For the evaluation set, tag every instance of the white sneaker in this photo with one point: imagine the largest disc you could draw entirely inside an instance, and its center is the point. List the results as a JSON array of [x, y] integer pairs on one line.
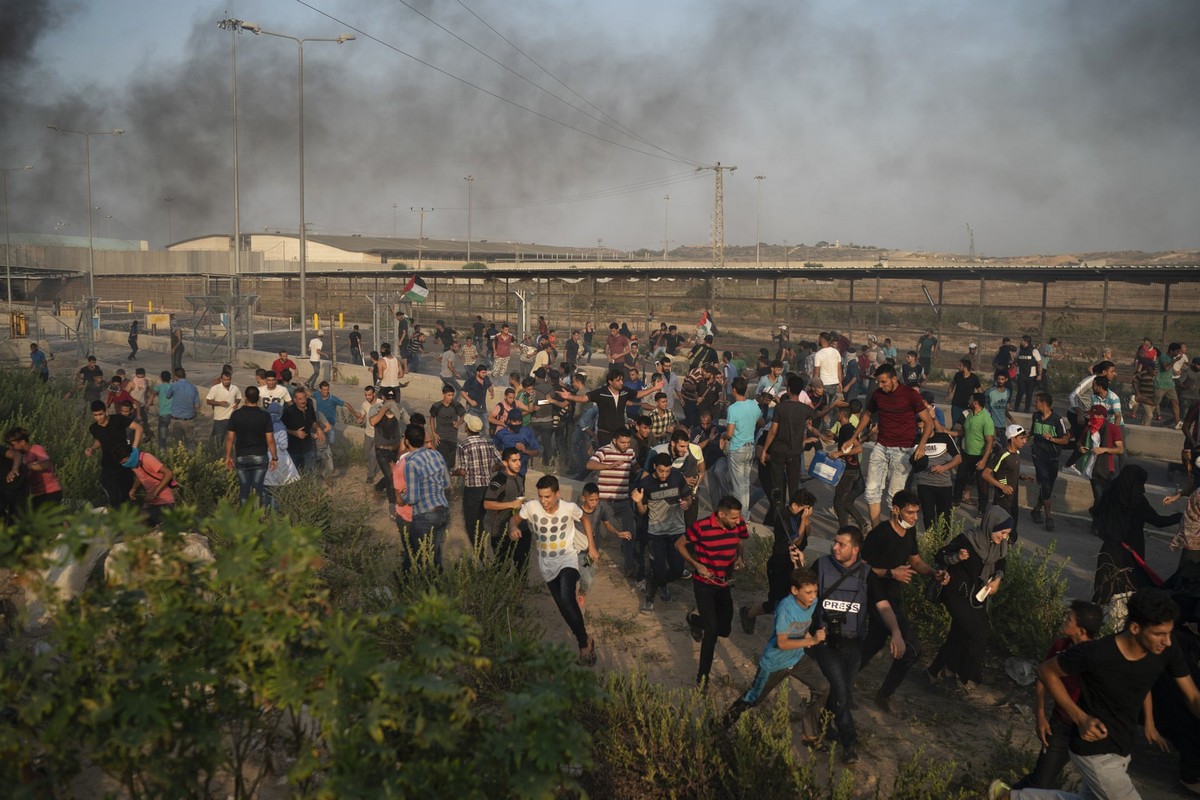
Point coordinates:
[[1179, 425], [1073, 470], [998, 789]]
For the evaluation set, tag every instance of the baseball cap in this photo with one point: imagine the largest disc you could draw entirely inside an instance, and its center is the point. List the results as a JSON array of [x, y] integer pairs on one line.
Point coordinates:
[[972, 346], [1013, 431]]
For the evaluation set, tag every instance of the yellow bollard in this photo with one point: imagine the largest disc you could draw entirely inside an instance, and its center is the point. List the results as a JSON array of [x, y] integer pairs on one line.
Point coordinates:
[[150, 307], [316, 322], [130, 306], [341, 321]]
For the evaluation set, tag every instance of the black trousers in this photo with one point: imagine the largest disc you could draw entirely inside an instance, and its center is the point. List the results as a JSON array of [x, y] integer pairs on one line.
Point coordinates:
[[935, 502], [877, 637], [1025, 389], [715, 607]]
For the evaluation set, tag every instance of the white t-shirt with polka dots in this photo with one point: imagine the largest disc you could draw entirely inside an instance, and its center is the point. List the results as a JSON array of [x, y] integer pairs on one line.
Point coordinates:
[[553, 536]]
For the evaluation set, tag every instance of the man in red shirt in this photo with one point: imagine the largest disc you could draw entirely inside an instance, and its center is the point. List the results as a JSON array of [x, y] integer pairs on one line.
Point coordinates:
[[117, 395], [616, 348], [896, 409], [282, 363], [717, 542]]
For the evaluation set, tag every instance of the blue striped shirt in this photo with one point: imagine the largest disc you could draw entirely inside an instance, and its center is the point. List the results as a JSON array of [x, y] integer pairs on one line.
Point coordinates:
[[425, 474]]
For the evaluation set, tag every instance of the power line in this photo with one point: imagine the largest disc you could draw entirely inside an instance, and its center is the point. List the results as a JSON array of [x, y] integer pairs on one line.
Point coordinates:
[[488, 92], [615, 123], [616, 127]]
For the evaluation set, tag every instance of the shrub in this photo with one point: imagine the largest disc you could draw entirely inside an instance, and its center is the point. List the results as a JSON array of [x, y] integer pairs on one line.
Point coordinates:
[[204, 482], [184, 679]]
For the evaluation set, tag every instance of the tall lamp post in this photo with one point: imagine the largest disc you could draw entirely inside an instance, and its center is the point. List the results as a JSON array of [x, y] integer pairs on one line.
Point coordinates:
[[8, 259], [758, 224], [345, 37], [90, 302], [470, 179]]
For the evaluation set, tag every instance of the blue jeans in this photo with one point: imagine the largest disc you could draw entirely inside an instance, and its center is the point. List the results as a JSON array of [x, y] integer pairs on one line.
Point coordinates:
[[431, 523], [579, 455], [251, 472], [545, 436], [839, 664], [739, 475], [305, 461], [888, 469]]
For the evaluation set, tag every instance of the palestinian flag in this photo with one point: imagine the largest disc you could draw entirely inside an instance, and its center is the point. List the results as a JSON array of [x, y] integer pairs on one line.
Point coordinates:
[[708, 323], [415, 290]]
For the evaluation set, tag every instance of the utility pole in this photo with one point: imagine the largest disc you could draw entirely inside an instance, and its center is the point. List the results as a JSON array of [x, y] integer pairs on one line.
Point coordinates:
[[971, 240], [758, 224], [421, 233], [786, 254], [718, 231], [168, 201], [394, 209], [470, 179], [666, 220]]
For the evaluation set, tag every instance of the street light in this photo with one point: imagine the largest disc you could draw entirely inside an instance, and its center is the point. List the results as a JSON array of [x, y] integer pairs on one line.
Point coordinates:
[[90, 302], [470, 179], [7, 236], [345, 37], [758, 224], [666, 219]]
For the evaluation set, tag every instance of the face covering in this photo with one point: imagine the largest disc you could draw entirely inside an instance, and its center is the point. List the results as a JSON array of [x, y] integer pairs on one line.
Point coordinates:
[[905, 524], [1095, 423]]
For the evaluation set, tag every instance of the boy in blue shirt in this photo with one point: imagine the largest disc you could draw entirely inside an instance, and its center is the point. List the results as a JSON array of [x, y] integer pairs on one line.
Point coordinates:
[[784, 656]]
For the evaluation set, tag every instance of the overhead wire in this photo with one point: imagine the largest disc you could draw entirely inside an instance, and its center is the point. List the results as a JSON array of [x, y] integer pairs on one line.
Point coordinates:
[[610, 123], [623, 128], [488, 92]]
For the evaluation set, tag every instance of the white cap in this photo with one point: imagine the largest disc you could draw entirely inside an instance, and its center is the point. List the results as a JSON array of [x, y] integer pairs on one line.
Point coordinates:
[[972, 346], [1013, 431]]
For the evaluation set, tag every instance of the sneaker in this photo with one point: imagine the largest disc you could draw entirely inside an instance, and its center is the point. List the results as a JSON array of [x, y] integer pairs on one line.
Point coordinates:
[[693, 623], [687, 574], [1193, 787], [1036, 515], [1049, 523], [664, 594], [1072, 470], [640, 586], [884, 704], [1179, 425], [849, 755], [647, 607], [747, 621], [997, 789]]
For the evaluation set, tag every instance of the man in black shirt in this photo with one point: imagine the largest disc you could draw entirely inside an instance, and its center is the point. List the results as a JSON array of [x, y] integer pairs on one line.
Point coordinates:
[[964, 384], [356, 346], [300, 419], [249, 438], [1116, 672], [108, 436], [504, 495], [891, 550], [784, 448], [611, 401]]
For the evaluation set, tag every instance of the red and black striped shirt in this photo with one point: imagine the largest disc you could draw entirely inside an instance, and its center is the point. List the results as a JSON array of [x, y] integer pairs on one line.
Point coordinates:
[[716, 547]]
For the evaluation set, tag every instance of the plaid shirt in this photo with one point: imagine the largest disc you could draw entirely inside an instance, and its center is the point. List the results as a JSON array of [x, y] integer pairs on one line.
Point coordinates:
[[425, 474], [661, 425], [477, 458]]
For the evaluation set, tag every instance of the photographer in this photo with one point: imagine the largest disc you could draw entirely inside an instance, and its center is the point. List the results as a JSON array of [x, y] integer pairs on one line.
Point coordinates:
[[844, 584]]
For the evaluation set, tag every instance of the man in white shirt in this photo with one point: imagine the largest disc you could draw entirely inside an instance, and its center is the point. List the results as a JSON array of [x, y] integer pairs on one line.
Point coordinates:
[[223, 398], [370, 406], [828, 365], [391, 370], [273, 392], [315, 351]]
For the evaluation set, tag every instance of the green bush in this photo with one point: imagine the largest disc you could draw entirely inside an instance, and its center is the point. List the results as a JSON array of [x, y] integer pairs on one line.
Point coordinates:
[[204, 482], [189, 679]]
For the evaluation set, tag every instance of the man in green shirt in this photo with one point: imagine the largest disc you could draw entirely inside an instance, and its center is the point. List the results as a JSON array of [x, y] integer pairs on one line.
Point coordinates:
[[1164, 387], [978, 436]]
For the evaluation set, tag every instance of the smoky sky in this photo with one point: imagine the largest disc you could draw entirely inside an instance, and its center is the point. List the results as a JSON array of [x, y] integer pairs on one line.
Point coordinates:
[[1049, 127]]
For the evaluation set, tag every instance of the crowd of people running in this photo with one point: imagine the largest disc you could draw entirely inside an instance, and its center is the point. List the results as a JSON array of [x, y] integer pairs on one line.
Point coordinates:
[[679, 444]]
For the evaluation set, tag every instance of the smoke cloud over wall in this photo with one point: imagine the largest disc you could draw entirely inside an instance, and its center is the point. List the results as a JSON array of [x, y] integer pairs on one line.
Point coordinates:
[[1049, 127]]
